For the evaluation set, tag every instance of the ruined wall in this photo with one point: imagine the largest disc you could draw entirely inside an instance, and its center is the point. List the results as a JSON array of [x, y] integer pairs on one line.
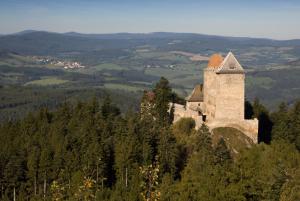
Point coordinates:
[[181, 112], [230, 96]]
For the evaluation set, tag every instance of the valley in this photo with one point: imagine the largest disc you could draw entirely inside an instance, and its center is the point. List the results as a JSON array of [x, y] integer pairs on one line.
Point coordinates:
[[130, 63]]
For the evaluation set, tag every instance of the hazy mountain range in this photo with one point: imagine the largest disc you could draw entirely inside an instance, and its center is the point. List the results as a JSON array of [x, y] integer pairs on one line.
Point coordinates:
[[41, 42]]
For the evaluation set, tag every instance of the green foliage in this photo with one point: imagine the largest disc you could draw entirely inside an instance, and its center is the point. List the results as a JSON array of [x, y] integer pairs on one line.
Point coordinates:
[[149, 183], [92, 151], [163, 97], [265, 124], [57, 191], [222, 153], [184, 126], [287, 124], [235, 140]]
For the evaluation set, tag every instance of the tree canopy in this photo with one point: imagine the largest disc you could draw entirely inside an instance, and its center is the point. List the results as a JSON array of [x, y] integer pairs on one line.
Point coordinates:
[[91, 151]]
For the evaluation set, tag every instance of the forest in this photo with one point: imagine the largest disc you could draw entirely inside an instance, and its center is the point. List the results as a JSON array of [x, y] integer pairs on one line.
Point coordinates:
[[92, 150]]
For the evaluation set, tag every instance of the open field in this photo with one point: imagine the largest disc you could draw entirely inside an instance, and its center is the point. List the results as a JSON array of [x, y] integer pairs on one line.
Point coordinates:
[[45, 81], [108, 66], [123, 87]]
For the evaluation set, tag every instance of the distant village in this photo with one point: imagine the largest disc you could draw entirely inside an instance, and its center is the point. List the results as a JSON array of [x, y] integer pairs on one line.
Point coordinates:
[[58, 63], [159, 66]]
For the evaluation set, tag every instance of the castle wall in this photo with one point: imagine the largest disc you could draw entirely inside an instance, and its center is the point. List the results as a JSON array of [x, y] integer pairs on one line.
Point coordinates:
[[196, 106], [230, 96], [209, 93], [247, 126], [181, 112]]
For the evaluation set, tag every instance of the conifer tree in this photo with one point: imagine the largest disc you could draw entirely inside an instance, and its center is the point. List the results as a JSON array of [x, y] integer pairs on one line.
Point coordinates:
[[167, 152], [163, 96], [281, 122], [265, 123], [222, 153], [33, 167], [294, 135], [108, 109]]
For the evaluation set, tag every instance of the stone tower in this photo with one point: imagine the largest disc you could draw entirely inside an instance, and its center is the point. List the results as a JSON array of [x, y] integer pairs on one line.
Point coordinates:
[[224, 88], [220, 101]]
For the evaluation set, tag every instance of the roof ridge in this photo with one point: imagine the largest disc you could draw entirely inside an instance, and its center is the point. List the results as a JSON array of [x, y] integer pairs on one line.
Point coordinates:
[[197, 94], [230, 65]]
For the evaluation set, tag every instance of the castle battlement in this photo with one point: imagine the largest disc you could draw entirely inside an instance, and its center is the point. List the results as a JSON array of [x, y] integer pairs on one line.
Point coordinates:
[[220, 100]]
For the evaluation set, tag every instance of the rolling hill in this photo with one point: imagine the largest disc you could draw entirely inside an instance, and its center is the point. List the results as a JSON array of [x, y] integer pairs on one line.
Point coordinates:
[[134, 62], [40, 42]]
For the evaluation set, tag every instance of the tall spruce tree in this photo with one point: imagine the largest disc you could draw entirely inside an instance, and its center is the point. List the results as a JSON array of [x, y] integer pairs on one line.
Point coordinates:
[[222, 153], [163, 96], [281, 122], [265, 123]]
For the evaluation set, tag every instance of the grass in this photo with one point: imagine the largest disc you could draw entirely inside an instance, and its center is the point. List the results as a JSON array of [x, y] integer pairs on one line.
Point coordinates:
[[235, 139], [17, 60], [165, 72], [46, 81], [4, 63], [141, 82], [162, 56], [188, 81], [149, 55], [124, 87], [110, 78], [108, 66], [24, 59], [264, 82]]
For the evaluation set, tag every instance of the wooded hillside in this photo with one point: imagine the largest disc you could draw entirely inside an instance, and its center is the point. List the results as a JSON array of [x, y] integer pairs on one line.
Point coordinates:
[[92, 151]]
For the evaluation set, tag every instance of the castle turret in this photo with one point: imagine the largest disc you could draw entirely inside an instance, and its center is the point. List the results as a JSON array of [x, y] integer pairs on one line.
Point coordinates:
[[230, 96], [210, 85]]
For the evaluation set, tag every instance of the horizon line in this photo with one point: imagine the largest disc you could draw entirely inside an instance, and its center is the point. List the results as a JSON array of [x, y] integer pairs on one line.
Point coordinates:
[[152, 32]]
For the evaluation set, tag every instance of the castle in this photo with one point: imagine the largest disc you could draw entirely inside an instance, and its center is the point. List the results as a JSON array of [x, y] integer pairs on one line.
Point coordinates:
[[220, 100]]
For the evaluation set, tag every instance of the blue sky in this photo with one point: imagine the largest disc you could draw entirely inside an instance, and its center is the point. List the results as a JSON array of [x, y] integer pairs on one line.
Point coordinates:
[[279, 19]]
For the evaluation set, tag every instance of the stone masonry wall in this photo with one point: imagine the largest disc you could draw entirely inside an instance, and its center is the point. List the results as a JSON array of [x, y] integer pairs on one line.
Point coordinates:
[[248, 127], [209, 93], [181, 112], [230, 96]]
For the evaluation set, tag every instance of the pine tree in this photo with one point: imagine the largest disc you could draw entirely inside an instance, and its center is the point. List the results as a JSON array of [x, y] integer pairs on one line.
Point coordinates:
[[222, 153], [33, 167], [14, 173], [126, 152], [248, 110], [167, 152], [281, 120], [150, 176], [294, 135], [203, 140], [163, 96], [45, 167], [265, 123], [108, 109]]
